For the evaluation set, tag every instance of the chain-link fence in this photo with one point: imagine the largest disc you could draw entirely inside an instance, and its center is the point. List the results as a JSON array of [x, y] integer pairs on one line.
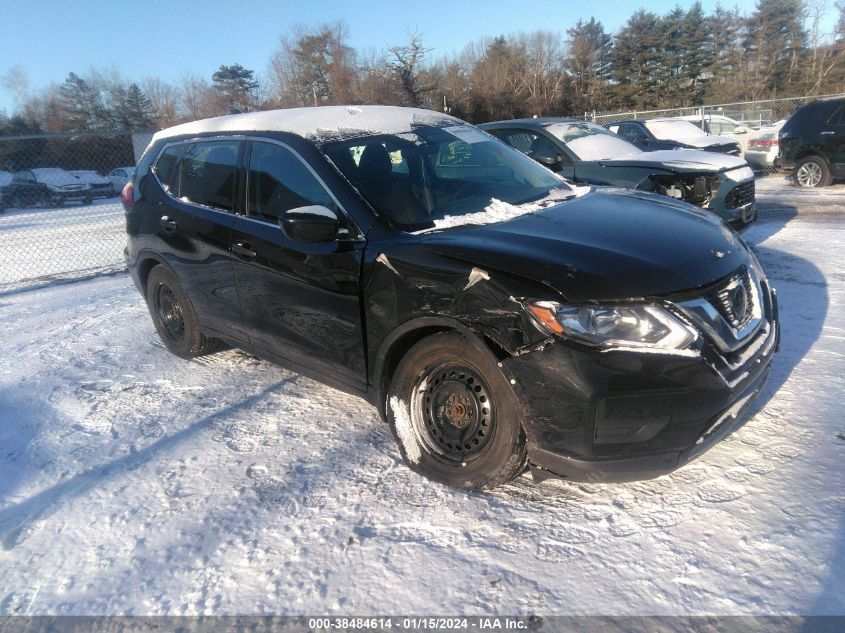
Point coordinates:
[[753, 125], [60, 211]]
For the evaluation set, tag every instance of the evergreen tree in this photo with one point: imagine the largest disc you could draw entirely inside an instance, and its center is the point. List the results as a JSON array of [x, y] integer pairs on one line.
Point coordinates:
[[139, 108], [588, 62], [775, 40], [638, 62], [81, 105], [236, 85]]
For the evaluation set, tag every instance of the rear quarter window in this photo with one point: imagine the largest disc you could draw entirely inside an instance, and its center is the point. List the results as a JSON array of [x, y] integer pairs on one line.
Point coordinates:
[[166, 168]]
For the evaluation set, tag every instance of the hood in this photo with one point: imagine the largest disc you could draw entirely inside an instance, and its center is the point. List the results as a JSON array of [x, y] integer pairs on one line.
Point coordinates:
[[93, 179], [707, 141], [57, 178], [606, 245], [679, 160]]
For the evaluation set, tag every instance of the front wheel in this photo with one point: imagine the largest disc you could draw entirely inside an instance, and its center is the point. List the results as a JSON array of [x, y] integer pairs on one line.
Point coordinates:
[[174, 316], [454, 414], [812, 171]]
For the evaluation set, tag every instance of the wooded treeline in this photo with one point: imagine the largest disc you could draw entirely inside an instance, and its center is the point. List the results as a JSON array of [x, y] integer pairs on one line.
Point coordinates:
[[685, 57]]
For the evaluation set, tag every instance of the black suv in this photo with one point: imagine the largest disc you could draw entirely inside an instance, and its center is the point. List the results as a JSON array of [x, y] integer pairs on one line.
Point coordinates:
[[495, 314], [812, 143]]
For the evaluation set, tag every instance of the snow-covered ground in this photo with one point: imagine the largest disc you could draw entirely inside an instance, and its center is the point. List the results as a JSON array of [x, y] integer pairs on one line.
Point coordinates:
[[134, 482], [49, 243]]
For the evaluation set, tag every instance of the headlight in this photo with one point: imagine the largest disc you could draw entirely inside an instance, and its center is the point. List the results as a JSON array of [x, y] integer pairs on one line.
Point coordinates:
[[54, 188], [647, 326], [740, 174]]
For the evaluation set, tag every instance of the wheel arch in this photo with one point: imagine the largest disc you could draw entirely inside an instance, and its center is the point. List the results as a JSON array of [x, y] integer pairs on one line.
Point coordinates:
[[396, 344], [146, 262], [807, 152]]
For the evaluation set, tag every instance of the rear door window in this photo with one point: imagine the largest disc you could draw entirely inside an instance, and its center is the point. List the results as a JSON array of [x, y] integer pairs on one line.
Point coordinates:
[[207, 174]]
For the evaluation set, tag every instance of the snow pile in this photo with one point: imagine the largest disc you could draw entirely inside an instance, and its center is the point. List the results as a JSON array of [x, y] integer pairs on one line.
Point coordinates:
[[320, 122], [500, 211]]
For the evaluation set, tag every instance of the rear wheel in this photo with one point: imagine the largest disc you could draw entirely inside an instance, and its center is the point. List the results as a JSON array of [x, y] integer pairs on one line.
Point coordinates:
[[812, 171], [174, 316], [454, 415]]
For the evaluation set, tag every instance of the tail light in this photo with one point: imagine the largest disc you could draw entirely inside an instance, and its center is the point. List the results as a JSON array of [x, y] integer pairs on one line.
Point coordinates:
[[764, 143], [127, 196]]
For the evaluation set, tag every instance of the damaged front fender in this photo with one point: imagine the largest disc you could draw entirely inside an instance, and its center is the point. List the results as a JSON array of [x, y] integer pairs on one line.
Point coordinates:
[[411, 292]]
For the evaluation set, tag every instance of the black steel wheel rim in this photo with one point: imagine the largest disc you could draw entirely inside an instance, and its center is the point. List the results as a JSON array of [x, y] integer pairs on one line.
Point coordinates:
[[454, 415], [169, 313]]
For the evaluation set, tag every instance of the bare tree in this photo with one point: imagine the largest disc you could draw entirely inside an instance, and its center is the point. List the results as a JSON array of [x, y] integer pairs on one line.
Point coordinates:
[[16, 81], [314, 66], [165, 100], [406, 61], [199, 99]]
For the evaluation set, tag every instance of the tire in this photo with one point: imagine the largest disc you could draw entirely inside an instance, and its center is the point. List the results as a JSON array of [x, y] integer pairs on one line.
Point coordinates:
[[174, 316], [87, 199], [812, 171], [454, 414]]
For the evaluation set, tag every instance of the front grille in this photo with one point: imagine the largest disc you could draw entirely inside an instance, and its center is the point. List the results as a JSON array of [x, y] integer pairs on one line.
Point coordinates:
[[740, 195], [733, 299]]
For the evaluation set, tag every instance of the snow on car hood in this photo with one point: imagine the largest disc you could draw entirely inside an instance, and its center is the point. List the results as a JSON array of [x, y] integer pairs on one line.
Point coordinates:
[[685, 159], [707, 141], [90, 177], [499, 211], [55, 177]]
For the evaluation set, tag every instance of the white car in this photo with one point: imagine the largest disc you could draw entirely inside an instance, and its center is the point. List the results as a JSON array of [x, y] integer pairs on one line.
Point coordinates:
[[763, 147], [101, 187], [119, 176], [720, 125]]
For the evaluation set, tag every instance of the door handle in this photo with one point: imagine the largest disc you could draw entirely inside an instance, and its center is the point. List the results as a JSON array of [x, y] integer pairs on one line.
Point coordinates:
[[244, 250], [167, 223], [827, 132]]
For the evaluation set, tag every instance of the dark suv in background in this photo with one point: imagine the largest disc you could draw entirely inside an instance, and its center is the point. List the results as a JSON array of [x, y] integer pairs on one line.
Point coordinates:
[[812, 143], [495, 314]]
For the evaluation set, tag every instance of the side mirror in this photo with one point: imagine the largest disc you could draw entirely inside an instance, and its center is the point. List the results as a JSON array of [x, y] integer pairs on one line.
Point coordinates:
[[314, 223], [645, 140], [740, 129], [547, 157]]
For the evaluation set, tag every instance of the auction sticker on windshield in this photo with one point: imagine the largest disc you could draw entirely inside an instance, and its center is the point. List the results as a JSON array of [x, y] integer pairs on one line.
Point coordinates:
[[467, 134]]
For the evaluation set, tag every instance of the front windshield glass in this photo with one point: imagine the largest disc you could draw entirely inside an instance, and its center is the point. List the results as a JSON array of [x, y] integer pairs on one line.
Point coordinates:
[[421, 178], [589, 141], [674, 130]]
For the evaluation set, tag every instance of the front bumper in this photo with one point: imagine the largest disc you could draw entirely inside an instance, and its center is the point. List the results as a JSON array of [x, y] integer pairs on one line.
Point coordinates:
[[617, 415], [74, 195], [735, 203]]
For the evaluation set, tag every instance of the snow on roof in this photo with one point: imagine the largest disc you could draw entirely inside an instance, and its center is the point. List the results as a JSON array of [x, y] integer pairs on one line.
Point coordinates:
[[319, 123]]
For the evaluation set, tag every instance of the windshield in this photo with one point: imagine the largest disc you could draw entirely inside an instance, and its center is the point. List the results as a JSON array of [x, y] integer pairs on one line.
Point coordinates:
[[589, 141], [674, 130], [421, 178]]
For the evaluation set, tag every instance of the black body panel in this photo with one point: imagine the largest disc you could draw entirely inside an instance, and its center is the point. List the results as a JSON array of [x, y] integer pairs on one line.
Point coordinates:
[[345, 310]]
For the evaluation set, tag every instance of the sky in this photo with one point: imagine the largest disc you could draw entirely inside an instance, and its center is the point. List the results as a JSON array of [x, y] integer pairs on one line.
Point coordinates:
[[171, 38]]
